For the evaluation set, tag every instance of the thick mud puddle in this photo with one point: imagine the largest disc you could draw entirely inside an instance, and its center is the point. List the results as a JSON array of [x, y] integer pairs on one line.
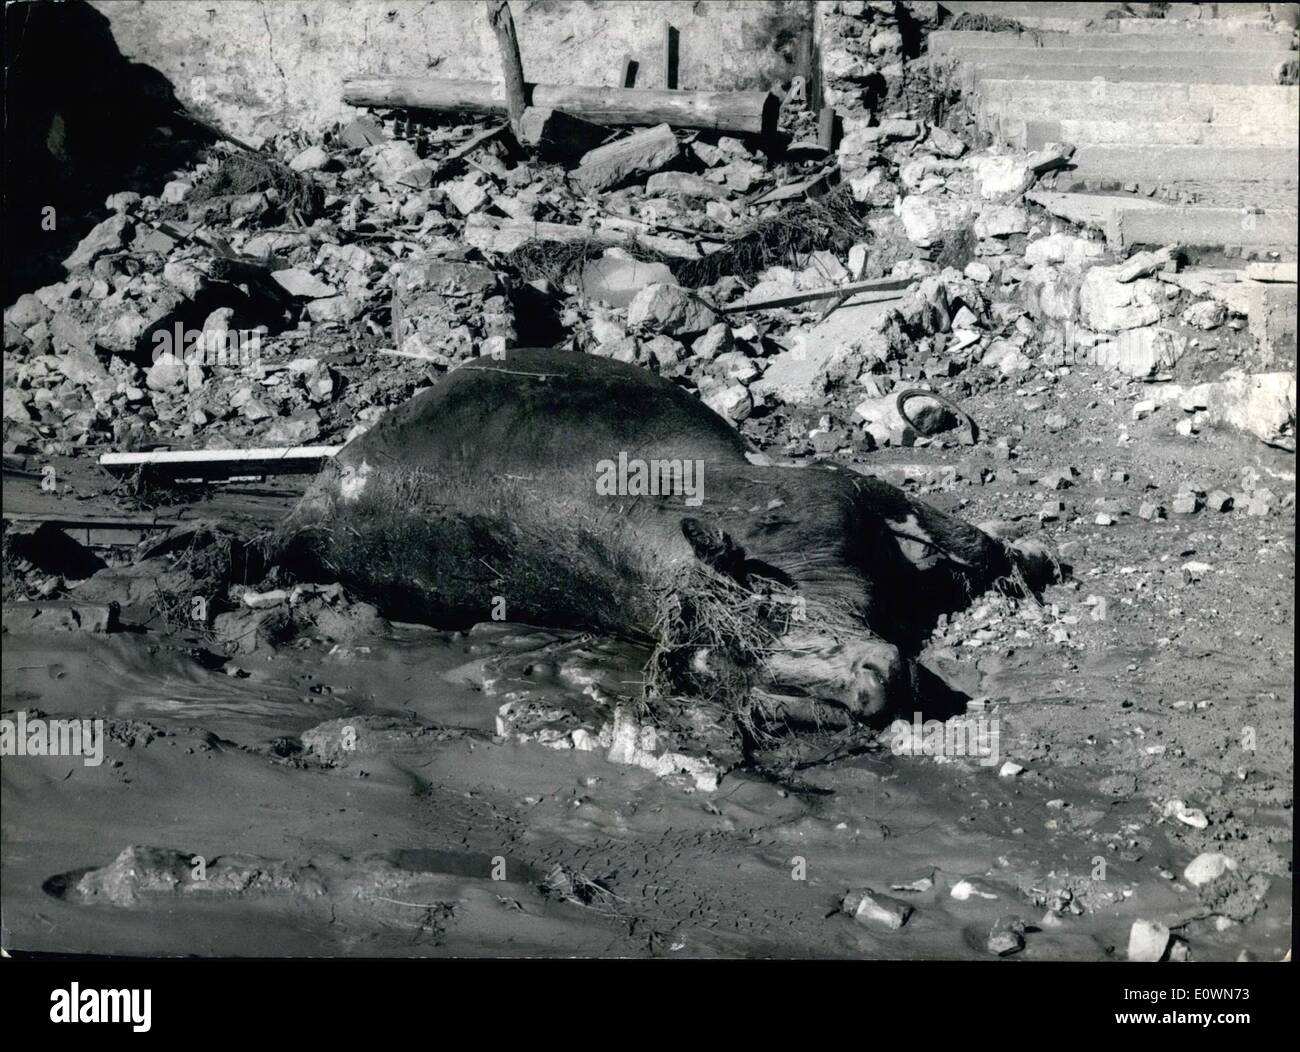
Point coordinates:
[[356, 800]]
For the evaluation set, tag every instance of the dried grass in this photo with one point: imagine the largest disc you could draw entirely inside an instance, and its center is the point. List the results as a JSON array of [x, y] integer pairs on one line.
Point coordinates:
[[831, 221], [247, 173], [828, 222]]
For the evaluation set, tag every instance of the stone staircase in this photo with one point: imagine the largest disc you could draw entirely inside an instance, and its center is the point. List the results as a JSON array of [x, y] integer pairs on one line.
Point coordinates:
[[1185, 110], [1184, 131]]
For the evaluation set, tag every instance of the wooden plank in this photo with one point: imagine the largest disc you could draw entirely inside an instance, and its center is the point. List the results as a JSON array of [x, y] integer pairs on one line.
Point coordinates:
[[811, 187], [223, 463], [853, 288]]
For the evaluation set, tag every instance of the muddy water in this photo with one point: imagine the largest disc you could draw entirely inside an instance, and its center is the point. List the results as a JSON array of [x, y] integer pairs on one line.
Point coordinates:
[[446, 840]]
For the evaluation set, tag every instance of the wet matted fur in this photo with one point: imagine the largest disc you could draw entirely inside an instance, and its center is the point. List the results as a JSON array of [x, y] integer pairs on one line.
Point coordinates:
[[481, 494]]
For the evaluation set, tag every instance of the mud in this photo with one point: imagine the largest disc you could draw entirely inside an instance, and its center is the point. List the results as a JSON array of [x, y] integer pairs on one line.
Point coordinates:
[[1118, 724]]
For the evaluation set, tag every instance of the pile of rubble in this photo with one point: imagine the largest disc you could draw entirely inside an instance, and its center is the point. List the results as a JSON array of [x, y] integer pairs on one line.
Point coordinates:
[[299, 310]]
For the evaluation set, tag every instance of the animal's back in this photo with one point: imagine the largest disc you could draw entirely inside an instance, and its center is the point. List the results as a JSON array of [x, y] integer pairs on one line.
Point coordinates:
[[543, 409]]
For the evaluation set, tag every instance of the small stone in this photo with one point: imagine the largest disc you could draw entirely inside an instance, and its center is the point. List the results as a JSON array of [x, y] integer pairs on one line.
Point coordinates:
[[1143, 409], [717, 340], [1006, 939], [1151, 512], [1147, 941], [302, 283], [311, 159], [467, 194], [1187, 504], [174, 192], [1219, 501], [946, 143], [868, 907], [109, 236], [1062, 478], [671, 309], [168, 374], [734, 403], [1010, 770], [1207, 867]]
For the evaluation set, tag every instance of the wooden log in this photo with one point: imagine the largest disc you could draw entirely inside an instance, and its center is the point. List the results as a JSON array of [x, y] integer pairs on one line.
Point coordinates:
[[627, 160], [559, 136], [738, 112], [511, 65]]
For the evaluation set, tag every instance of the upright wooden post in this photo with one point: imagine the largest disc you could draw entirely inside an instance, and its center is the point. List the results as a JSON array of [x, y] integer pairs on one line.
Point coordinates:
[[628, 79], [511, 65], [671, 38], [826, 127]]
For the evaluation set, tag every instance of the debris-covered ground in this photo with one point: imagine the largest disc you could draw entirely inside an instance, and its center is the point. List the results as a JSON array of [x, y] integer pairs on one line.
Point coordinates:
[[353, 784]]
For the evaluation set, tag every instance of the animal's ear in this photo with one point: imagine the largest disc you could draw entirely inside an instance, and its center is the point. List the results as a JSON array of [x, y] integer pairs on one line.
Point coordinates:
[[713, 547]]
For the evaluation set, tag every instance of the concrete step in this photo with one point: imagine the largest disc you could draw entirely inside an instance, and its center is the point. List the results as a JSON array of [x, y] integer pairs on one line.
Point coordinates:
[[1034, 134], [1255, 42], [1126, 220], [1208, 228], [1244, 106], [1067, 16], [1154, 165], [1192, 67]]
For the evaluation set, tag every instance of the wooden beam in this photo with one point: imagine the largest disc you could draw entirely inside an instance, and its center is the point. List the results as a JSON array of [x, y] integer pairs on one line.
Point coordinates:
[[853, 288], [738, 112], [512, 66]]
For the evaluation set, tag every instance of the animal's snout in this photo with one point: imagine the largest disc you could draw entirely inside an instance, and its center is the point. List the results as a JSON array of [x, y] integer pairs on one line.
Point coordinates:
[[878, 678], [862, 674]]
